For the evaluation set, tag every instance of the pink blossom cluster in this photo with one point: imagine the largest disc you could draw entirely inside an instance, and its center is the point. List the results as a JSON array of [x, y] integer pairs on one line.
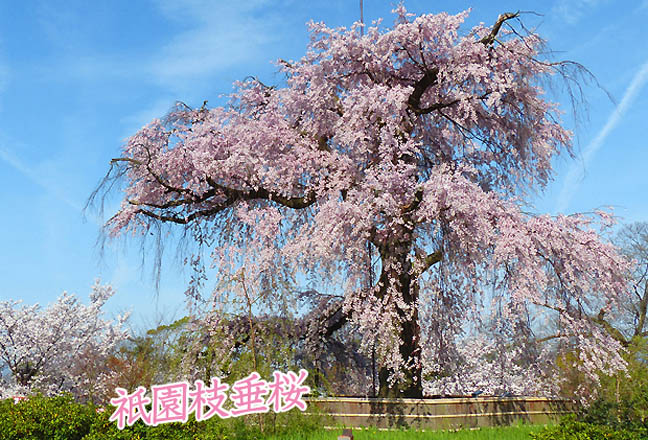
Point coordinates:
[[174, 402]]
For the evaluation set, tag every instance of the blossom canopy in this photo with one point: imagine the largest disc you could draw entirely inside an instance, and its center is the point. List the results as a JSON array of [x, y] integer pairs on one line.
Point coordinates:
[[411, 148]]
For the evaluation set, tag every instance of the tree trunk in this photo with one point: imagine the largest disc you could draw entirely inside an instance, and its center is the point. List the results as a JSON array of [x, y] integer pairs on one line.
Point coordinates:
[[411, 385], [410, 332]]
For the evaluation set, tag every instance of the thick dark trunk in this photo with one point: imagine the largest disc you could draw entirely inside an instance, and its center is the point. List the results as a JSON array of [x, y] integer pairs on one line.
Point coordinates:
[[410, 385], [410, 333]]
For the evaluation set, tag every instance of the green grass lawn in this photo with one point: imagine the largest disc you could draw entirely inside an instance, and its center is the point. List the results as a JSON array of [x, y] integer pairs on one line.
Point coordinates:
[[499, 433]]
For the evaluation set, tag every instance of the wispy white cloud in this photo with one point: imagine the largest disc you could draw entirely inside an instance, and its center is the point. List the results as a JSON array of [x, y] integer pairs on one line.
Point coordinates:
[[49, 185], [212, 38], [206, 41], [577, 171], [573, 10], [11, 159], [215, 39]]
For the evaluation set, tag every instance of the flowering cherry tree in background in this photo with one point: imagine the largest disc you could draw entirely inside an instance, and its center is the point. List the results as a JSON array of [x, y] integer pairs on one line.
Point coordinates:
[[409, 150], [63, 347]]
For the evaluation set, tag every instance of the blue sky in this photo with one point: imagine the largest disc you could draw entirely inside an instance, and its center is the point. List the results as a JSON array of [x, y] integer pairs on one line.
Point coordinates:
[[78, 77]]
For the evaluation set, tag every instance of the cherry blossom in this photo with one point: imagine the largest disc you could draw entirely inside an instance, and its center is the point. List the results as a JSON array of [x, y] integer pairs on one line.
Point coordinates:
[[406, 152], [63, 347]]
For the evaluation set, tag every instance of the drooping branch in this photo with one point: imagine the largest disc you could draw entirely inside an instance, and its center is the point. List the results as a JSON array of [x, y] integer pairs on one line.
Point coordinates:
[[232, 196]]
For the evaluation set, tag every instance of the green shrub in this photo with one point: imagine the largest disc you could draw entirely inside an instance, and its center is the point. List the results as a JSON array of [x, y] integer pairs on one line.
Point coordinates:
[[572, 429], [40, 418], [61, 418]]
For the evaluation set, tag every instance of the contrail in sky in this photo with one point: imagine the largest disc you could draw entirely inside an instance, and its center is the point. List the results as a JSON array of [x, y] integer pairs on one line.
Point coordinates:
[[576, 173]]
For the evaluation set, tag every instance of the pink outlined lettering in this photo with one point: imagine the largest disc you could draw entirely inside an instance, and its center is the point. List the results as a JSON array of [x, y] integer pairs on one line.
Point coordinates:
[[169, 403], [214, 397], [287, 388], [248, 395], [174, 402], [130, 407]]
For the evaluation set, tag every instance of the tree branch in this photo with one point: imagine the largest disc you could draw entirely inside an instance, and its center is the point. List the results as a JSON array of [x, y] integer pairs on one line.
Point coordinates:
[[490, 38], [431, 75], [548, 338], [434, 107], [429, 261], [612, 331], [299, 202], [429, 78], [232, 195], [643, 308]]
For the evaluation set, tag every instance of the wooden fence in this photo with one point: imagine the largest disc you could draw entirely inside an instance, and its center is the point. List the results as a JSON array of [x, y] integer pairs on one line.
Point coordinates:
[[453, 413]]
